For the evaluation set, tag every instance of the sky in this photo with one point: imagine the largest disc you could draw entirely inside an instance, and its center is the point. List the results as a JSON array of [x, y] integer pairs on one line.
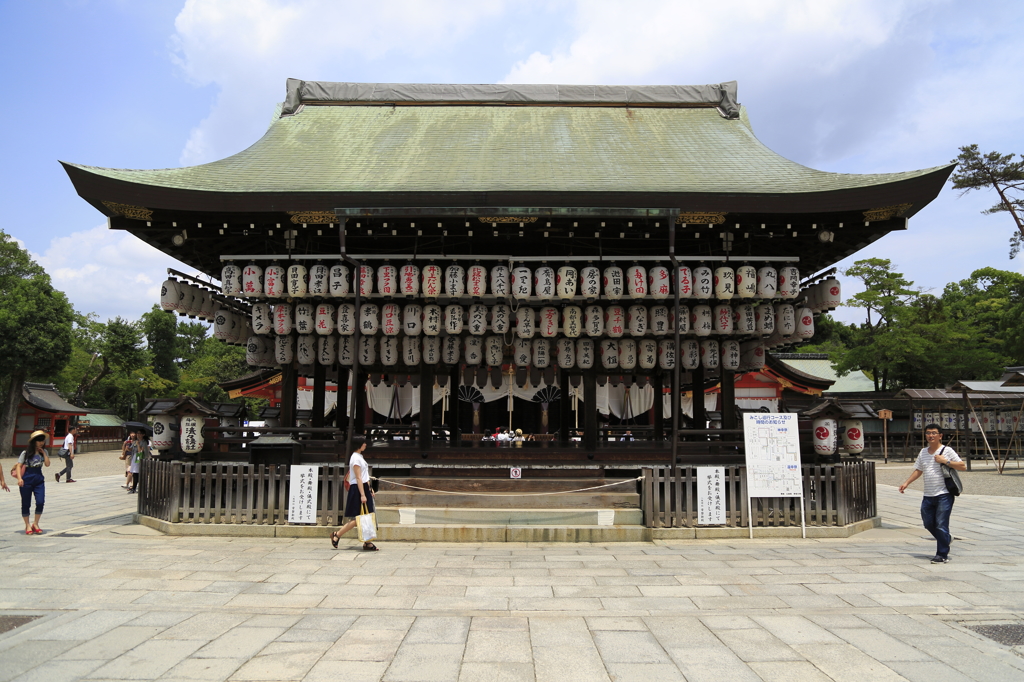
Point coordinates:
[[855, 87]]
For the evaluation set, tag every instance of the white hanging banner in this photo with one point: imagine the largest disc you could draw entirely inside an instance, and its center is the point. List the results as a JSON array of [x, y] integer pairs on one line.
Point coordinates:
[[302, 494], [710, 496], [772, 447]]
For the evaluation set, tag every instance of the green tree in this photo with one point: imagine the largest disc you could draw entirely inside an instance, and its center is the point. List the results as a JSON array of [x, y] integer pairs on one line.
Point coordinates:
[[992, 302], [35, 330], [161, 331], [999, 172]]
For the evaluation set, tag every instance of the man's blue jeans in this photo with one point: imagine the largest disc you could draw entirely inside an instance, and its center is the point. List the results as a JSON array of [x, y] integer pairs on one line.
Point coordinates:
[[935, 515]]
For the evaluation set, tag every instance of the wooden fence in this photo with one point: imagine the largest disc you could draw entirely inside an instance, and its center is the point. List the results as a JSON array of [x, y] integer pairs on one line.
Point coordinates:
[[226, 492], [834, 495]]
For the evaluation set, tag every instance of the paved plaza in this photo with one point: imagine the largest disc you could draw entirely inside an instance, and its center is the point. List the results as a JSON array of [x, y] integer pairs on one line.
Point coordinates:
[[116, 601]]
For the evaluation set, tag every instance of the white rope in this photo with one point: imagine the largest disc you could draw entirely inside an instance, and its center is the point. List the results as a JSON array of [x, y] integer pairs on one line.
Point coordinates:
[[560, 492]]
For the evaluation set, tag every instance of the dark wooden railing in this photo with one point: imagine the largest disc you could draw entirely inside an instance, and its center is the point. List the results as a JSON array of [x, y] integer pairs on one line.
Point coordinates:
[[834, 495]]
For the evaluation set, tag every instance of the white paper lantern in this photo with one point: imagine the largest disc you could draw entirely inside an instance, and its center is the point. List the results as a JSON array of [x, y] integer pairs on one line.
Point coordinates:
[[340, 283], [319, 280], [478, 319], [667, 354], [522, 352], [723, 322], [593, 320], [235, 329], [189, 296], [804, 323], [746, 281], [390, 319], [283, 318], [431, 281], [684, 282], [474, 350], [853, 436], [812, 296], [252, 281], [284, 349], [455, 280], [410, 350], [609, 349], [566, 282], [389, 351], [387, 280], [369, 319], [767, 282], [585, 352], [659, 283], [170, 295], [785, 319], [432, 319], [476, 280], [210, 305], [431, 350], [453, 321], [789, 282], [615, 321], [305, 349], [637, 320], [412, 322], [501, 318], [590, 282], [764, 316], [327, 350], [346, 319], [710, 353], [262, 322], [702, 320], [222, 324], [494, 351], [544, 282], [541, 353], [831, 294], [500, 281], [324, 320], [231, 280], [520, 282], [262, 355], [297, 281], [450, 350], [203, 305], [613, 282], [565, 352], [725, 283], [752, 355], [647, 353], [824, 436], [367, 351], [659, 320], [548, 323], [163, 435], [684, 319], [627, 354], [730, 354], [274, 281], [703, 282], [409, 280], [636, 281], [572, 321], [365, 280], [524, 323], [192, 440], [691, 354], [744, 320]]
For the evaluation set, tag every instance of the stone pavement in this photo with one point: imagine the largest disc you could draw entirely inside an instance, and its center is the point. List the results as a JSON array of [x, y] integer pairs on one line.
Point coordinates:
[[122, 602]]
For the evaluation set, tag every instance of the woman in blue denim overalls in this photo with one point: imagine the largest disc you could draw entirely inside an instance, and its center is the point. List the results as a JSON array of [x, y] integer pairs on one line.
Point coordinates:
[[29, 473]]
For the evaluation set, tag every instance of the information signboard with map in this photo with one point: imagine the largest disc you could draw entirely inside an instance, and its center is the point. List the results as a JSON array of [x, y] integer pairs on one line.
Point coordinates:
[[773, 455]]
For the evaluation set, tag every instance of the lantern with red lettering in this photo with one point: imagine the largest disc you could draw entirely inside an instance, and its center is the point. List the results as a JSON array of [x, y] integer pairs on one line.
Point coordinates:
[[252, 281], [476, 280], [409, 280], [390, 319], [658, 282], [387, 280], [548, 322], [615, 321], [283, 319], [274, 280], [684, 282], [431, 279], [365, 280], [636, 281], [723, 319]]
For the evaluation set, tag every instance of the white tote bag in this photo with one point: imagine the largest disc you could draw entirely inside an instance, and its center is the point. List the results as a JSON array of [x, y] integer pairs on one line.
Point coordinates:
[[367, 524]]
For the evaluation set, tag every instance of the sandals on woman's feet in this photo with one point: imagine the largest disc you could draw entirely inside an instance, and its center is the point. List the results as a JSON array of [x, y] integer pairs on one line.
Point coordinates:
[[334, 540], [370, 547]]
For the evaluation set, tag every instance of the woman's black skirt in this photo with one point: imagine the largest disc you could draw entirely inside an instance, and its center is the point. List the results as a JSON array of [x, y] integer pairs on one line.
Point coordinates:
[[353, 505]]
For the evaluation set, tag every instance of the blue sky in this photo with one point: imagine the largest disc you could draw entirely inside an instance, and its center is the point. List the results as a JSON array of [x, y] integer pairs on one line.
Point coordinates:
[[855, 87]]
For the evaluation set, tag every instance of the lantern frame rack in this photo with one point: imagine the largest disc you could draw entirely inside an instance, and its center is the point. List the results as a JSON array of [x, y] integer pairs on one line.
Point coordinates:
[[506, 258], [217, 293]]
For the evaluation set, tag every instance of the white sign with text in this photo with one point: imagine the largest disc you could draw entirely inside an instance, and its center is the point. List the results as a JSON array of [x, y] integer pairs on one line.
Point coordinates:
[[710, 496], [302, 494]]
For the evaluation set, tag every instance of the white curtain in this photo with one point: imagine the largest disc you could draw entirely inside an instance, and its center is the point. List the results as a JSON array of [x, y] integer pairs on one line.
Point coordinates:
[[396, 401], [686, 404], [305, 400]]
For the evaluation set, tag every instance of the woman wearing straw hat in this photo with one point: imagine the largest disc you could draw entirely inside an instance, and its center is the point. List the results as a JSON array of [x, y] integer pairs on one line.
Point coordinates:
[[29, 472]]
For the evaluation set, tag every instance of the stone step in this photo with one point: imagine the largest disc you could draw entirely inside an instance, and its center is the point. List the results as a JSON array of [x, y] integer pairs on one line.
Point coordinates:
[[459, 516], [508, 485], [591, 500], [511, 533]]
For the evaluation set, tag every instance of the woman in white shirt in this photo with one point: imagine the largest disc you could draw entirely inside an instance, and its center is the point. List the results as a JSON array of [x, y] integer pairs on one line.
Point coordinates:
[[360, 493]]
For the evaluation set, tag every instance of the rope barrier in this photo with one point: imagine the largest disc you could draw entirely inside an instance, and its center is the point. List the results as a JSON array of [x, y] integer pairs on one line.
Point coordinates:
[[455, 492]]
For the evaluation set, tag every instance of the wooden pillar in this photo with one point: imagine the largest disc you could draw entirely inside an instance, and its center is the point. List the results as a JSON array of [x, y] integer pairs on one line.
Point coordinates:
[[341, 419], [426, 407], [319, 395], [728, 399], [659, 411], [358, 418], [453, 407], [564, 403], [699, 417], [590, 410], [289, 395], [966, 454]]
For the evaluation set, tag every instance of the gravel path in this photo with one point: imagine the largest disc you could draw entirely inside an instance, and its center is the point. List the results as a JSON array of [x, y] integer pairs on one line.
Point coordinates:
[[87, 465], [982, 479]]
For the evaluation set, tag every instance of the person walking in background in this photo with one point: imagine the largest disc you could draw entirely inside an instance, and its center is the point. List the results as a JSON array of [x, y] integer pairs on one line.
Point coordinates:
[[937, 503], [139, 452], [360, 494], [29, 472], [67, 453], [128, 454]]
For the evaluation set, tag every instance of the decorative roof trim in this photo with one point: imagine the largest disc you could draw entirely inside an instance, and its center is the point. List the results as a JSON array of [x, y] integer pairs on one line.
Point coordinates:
[[313, 217], [129, 211], [700, 219], [886, 212]]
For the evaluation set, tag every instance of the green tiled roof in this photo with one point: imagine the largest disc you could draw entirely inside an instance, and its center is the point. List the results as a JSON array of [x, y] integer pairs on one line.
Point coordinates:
[[472, 148], [103, 419], [853, 382]]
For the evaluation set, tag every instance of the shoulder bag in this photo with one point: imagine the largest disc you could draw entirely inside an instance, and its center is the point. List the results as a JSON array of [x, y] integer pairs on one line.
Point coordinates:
[[951, 477]]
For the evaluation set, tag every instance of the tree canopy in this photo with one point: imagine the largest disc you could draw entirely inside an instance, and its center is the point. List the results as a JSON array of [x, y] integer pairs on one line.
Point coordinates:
[[998, 172]]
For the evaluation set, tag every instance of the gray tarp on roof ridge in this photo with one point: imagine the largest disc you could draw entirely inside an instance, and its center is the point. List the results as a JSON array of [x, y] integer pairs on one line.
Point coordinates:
[[722, 95]]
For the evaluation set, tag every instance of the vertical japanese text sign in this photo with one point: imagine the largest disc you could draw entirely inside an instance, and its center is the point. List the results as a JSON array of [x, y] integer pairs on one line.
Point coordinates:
[[302, 494], [710, 500]]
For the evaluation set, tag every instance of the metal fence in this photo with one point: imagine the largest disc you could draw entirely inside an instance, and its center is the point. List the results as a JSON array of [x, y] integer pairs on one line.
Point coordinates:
[[834, 495]]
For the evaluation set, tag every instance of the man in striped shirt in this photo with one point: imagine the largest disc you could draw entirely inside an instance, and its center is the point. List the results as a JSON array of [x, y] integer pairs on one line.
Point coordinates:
[[937, 503]]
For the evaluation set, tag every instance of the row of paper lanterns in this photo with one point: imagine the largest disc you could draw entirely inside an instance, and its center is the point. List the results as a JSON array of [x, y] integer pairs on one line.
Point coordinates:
[[519, 282], [614, 321], [826, 433], [609, 354], [1003, 421]]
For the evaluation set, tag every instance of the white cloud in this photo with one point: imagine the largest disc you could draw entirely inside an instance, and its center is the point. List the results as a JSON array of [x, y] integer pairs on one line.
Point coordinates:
[[107, 272]]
